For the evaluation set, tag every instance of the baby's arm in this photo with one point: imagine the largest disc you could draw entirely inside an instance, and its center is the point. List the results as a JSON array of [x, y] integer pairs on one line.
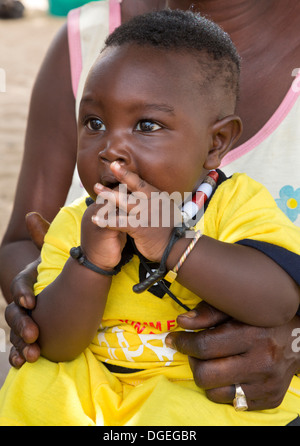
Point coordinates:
[[238, 280], [70, 309]]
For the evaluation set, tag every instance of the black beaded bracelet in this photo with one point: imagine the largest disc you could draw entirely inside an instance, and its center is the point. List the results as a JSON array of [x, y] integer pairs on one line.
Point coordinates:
[[158, 274], [77, 254]]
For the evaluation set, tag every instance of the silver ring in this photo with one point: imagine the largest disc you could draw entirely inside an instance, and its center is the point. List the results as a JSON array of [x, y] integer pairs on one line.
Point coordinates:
[[240, 401]]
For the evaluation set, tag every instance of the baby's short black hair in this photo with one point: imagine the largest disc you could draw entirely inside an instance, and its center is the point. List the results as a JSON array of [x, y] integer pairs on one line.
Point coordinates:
[[185, 31]]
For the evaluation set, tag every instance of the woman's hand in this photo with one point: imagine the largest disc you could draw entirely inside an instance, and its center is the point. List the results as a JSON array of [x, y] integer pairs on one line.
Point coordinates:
[[24, 331], [23, 336], [261, 360]]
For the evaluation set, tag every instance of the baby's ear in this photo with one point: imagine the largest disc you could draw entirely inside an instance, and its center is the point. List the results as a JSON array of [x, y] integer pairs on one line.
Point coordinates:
[[225, 133]]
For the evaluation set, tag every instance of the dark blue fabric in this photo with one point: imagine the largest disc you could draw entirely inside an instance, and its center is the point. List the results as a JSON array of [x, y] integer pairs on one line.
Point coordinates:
[[295, 422], [288, 260]]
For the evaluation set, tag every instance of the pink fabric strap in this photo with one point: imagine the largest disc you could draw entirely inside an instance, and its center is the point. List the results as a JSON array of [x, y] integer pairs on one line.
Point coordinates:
[[74, 47], [74, 38], [278, 117], [114, 14]]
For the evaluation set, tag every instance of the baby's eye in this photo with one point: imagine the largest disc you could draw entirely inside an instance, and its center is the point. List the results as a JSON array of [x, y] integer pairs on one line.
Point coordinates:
[[147, 126], [95, 124]]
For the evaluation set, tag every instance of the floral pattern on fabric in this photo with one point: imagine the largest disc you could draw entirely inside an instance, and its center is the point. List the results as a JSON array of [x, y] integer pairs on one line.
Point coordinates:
[[289, 202]]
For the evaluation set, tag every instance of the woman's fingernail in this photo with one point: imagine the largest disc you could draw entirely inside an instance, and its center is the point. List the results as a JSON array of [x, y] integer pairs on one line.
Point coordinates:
[[169, 342], [22, 301], [26, 352], [190, 314]]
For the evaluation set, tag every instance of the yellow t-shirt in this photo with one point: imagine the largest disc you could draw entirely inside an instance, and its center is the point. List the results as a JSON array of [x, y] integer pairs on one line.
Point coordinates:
[[134, 326], [83, 392]]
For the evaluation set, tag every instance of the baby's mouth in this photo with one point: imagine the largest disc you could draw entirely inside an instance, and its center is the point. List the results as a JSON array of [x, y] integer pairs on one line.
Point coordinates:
[[109, 181], [117, 186], [111, 185]]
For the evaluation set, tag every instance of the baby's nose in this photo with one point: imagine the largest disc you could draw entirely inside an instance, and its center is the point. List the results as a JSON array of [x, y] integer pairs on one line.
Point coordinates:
[[116, 149]]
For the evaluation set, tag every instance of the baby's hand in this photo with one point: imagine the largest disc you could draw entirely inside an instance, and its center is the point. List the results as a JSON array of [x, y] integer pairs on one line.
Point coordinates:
[[102, 246], [138, 209]]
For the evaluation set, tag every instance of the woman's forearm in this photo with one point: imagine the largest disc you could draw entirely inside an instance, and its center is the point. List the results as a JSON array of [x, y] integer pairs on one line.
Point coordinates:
[[53, 143], [69, 311], [238, 280]]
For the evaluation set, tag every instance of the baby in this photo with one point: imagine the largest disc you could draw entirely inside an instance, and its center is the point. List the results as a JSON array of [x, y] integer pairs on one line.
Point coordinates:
[[156, 118]]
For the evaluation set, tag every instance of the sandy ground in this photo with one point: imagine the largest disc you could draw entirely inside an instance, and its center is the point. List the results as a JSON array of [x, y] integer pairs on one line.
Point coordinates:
[[23, 44]]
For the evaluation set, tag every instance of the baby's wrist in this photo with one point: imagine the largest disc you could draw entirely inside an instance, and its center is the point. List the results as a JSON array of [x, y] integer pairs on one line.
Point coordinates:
[[79, 255]]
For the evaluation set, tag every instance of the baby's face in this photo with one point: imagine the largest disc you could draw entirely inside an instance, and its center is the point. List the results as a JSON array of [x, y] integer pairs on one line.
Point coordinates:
[[141, 107]]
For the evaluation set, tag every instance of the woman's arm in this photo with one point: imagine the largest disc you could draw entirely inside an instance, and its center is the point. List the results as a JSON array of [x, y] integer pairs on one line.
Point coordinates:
[[49, 159], [224, 352]]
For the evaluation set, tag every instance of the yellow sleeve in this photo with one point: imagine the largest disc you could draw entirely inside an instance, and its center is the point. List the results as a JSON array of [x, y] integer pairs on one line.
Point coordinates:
[[63, 234], [242, 208]]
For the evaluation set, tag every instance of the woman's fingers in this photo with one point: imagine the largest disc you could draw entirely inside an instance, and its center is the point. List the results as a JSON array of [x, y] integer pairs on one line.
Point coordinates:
[[23, 336], [37, 228]]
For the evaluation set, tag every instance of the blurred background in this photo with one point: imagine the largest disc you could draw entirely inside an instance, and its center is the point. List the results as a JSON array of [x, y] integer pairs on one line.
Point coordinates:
[[23, 44]]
